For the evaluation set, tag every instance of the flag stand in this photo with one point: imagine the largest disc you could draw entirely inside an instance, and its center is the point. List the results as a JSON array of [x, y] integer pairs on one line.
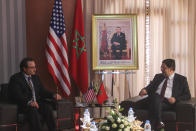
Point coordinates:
[[112, 84], [114, 72]]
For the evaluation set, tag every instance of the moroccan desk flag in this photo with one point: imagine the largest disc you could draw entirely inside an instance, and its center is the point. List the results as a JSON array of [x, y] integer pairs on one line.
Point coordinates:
[[90, 94], [78, 60], [101, 96], [56, 50]]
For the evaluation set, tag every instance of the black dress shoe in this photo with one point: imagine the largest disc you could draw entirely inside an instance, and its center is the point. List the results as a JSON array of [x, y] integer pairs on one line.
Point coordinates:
[[160, 125]]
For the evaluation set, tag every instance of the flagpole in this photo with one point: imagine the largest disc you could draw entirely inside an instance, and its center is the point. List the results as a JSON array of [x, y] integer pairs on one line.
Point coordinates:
[[56, 105], [112, 83]]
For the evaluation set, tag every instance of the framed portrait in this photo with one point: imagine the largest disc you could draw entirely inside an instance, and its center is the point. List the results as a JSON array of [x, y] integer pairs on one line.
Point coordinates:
[[114, 40]]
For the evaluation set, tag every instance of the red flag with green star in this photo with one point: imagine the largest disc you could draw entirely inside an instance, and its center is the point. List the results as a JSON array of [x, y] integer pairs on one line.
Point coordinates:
[[78, 59], [101, 96]]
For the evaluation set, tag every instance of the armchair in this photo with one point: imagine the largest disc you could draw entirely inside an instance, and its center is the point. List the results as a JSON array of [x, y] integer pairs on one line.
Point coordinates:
[[10, 120], [180, 119]]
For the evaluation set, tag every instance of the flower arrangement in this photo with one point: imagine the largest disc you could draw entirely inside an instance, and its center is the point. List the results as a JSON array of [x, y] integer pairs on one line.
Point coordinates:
[[115, 121]]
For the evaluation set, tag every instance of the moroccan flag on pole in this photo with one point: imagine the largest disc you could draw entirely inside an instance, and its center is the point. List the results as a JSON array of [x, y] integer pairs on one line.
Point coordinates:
[[78, 60], [101, 96]]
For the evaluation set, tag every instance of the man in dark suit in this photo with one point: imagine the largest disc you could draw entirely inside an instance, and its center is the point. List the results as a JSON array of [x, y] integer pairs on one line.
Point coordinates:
[[27, 91], [118, 42], [165, 90]]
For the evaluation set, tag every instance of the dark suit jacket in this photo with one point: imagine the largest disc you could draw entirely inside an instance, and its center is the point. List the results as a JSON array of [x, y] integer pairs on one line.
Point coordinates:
[[120, 39], [180, 89], [20, 92]]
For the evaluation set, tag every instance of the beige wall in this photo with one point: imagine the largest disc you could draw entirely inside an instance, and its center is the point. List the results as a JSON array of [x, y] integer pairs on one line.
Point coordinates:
[[38, 14]]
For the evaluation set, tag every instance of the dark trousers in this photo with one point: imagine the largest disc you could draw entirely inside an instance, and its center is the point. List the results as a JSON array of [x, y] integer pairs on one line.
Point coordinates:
[[117, 55], [156, 106], [34, 119]]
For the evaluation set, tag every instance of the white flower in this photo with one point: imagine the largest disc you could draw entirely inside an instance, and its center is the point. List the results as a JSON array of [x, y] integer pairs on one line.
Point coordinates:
[[103, 127], [122, 126], [123, 120], [114, 125], [109, 117], [123, 117], [112, 120], [127, 129], [107, 128], [118, 120], [125, 123], [119, 129], [112, 112]]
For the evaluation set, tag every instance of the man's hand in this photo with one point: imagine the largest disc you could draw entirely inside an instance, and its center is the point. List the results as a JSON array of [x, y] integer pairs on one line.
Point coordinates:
[[171, 100], [57, 97], [143, 92], [34, 104]]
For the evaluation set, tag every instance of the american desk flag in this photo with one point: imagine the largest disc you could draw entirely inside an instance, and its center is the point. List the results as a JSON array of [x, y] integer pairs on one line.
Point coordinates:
[[56, 50], [90, 94]]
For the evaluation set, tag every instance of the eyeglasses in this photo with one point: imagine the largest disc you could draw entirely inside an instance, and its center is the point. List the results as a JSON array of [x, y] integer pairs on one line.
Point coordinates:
[[32, 67]]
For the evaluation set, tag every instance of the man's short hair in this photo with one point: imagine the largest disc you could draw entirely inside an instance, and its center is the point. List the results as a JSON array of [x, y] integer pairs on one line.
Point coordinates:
[[170, 63], [24, 62]]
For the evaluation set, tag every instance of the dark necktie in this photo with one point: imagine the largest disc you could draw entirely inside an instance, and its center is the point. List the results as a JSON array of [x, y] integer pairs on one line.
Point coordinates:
[[164, 88], [32, 88]]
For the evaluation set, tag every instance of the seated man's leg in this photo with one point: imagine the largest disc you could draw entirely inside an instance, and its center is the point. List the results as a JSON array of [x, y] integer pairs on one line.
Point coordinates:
[[151, 110], [33, 118], [120, 54], [46, 111], [156, 107], [114, 53], [163, 105]]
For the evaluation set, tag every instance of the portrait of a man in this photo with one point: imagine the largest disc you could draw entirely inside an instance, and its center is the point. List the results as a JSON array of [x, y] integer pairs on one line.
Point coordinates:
[[118, 42], [114, 42]]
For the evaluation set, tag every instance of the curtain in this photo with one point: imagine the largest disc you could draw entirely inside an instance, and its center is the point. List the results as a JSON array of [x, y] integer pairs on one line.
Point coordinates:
[[172, 34], [125, 85], [12, 37]]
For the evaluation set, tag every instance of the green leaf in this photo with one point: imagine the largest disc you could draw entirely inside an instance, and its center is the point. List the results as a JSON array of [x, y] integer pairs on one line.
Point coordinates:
[[121, 109]]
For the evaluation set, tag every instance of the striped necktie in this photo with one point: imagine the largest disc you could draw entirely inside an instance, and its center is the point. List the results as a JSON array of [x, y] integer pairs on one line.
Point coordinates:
[[164, 88], [32, 88]]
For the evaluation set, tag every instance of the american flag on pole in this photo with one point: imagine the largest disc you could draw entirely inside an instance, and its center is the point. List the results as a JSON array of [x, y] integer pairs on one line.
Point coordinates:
[[56, 50], [90, 94]]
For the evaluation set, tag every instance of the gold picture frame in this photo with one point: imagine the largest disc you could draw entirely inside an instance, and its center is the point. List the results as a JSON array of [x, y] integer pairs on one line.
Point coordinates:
[[114, 39]]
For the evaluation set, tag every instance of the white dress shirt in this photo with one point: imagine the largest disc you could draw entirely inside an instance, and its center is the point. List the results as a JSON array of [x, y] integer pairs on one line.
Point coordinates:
[[33, 90], [168, 91]]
